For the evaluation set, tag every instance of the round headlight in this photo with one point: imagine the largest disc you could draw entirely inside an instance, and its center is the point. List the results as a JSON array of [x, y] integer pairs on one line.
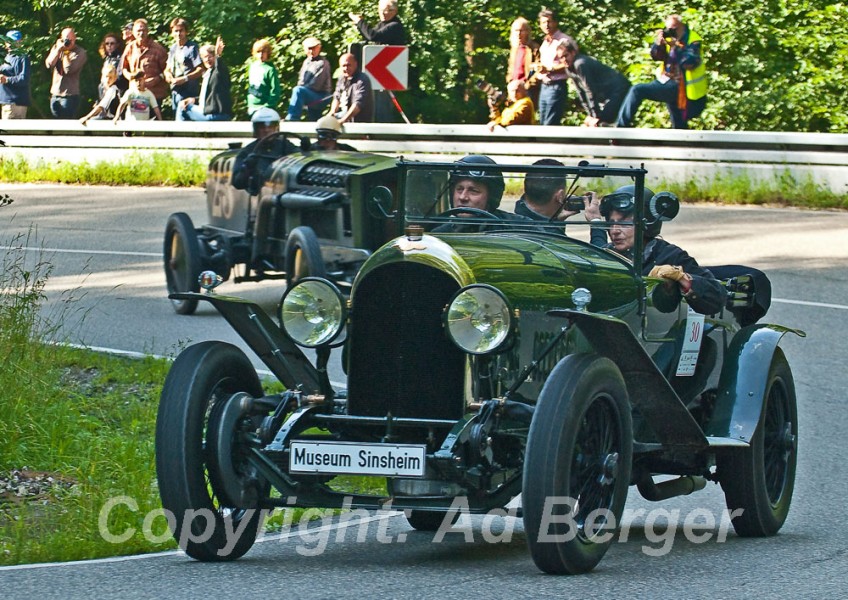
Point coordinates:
[[312, 312], [478, 319]]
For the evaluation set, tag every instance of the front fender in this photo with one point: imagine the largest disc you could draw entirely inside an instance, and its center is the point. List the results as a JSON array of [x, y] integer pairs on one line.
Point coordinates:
[[272, 346], [743, 381]]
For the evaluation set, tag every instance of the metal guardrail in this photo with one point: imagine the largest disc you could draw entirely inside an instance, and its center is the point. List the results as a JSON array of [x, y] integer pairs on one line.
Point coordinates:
[[819, 157]]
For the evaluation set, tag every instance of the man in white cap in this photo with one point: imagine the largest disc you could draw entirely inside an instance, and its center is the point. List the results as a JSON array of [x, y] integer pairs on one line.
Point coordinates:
[[329, 131], [14, 78], [314, 85]]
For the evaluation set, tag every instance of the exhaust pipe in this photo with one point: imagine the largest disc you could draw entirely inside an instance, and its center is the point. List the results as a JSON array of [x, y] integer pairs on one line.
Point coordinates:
[[664, 490]]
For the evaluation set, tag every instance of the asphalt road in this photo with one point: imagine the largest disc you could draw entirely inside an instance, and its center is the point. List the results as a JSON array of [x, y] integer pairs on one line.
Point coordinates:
[[105, 245]]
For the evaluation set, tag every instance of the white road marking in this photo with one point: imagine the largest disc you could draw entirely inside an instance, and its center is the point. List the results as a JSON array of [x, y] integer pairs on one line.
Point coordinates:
[[104, 252], [805, 303]]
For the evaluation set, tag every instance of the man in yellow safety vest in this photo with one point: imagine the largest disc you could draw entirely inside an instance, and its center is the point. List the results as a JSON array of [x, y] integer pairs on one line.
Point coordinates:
[[681, 82]]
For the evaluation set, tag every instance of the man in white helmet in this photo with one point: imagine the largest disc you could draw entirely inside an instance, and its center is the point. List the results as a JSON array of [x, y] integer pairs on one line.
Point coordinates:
[[253, 159], [265, 122], [329, 131]]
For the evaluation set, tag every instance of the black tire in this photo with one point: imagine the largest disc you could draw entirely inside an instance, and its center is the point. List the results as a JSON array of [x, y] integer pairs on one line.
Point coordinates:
[[760, 479], [425, 520], [183, 262], [201, 380], [303, 256], [580, 447]]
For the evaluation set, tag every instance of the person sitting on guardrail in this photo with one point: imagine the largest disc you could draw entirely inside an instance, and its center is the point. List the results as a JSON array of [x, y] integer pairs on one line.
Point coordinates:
[[314, 88], [329, 131], [107, 106], [681, 82], [66, 59], [353, 100], [519, 110], [111, 50], [15, 76], [600, 89], [214, 103], [544, 199], [682, 273], [138, 101], [262, 79]]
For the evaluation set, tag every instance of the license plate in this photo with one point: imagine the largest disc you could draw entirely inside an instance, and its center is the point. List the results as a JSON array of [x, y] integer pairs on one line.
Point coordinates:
[[343, 458]]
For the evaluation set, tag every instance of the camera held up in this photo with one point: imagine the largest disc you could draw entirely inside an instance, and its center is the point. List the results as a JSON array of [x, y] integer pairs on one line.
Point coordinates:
[[494, 94], [66, 42], [670, 33]]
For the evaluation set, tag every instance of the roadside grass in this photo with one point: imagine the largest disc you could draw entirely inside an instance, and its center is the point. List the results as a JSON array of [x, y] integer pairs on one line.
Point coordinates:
[[77, 433], [151, 169], [781, 190]]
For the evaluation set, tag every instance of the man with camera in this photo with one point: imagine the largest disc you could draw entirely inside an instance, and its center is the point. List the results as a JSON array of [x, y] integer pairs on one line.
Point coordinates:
[[682, 81], [544, 199], [66, 60]]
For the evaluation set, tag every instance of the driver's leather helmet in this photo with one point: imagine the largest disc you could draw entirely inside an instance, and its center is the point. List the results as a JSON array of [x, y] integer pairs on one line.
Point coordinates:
[[623, 201], [328, 126], [493, 180], [264, 117]]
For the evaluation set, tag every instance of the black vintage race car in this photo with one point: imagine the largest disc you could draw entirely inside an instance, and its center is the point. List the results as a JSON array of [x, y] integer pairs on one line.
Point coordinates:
[[482, 365], [277, 210]]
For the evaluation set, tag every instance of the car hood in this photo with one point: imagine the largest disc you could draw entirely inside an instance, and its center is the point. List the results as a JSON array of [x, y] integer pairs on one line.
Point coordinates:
[[534, 270]]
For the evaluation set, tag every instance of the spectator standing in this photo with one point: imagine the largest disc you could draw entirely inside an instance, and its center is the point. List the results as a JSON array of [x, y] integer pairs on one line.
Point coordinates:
[[111, 50], [138, 101], [214, 102], [147, 56], [353, 100], [184, 68], [127, 33], [15, 76], [600, 89], [682, 82], [66, 59], [314, 84], [523, 55], [520, 110], [107, 106], [263, 80], [551, 70], [389, 31]]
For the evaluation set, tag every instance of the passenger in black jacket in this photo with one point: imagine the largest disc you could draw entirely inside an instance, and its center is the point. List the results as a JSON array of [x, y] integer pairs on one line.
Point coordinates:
[[214, 102], [682, 274]]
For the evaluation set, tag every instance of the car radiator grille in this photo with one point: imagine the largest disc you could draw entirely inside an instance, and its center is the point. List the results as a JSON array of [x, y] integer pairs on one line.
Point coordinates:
[[401, 361]]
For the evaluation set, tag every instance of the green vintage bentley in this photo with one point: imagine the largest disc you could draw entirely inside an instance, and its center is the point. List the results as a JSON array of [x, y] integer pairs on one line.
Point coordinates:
[[486, 357]]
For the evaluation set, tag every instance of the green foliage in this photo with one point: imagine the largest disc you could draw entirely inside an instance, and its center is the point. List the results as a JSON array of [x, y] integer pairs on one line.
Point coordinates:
[[773, 65]]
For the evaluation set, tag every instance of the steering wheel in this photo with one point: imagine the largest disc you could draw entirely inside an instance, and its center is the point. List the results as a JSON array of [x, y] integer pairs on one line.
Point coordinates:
[[468, 210]]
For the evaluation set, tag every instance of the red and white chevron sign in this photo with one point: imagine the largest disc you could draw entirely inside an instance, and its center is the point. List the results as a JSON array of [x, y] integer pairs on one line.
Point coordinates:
[[388, 66]]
